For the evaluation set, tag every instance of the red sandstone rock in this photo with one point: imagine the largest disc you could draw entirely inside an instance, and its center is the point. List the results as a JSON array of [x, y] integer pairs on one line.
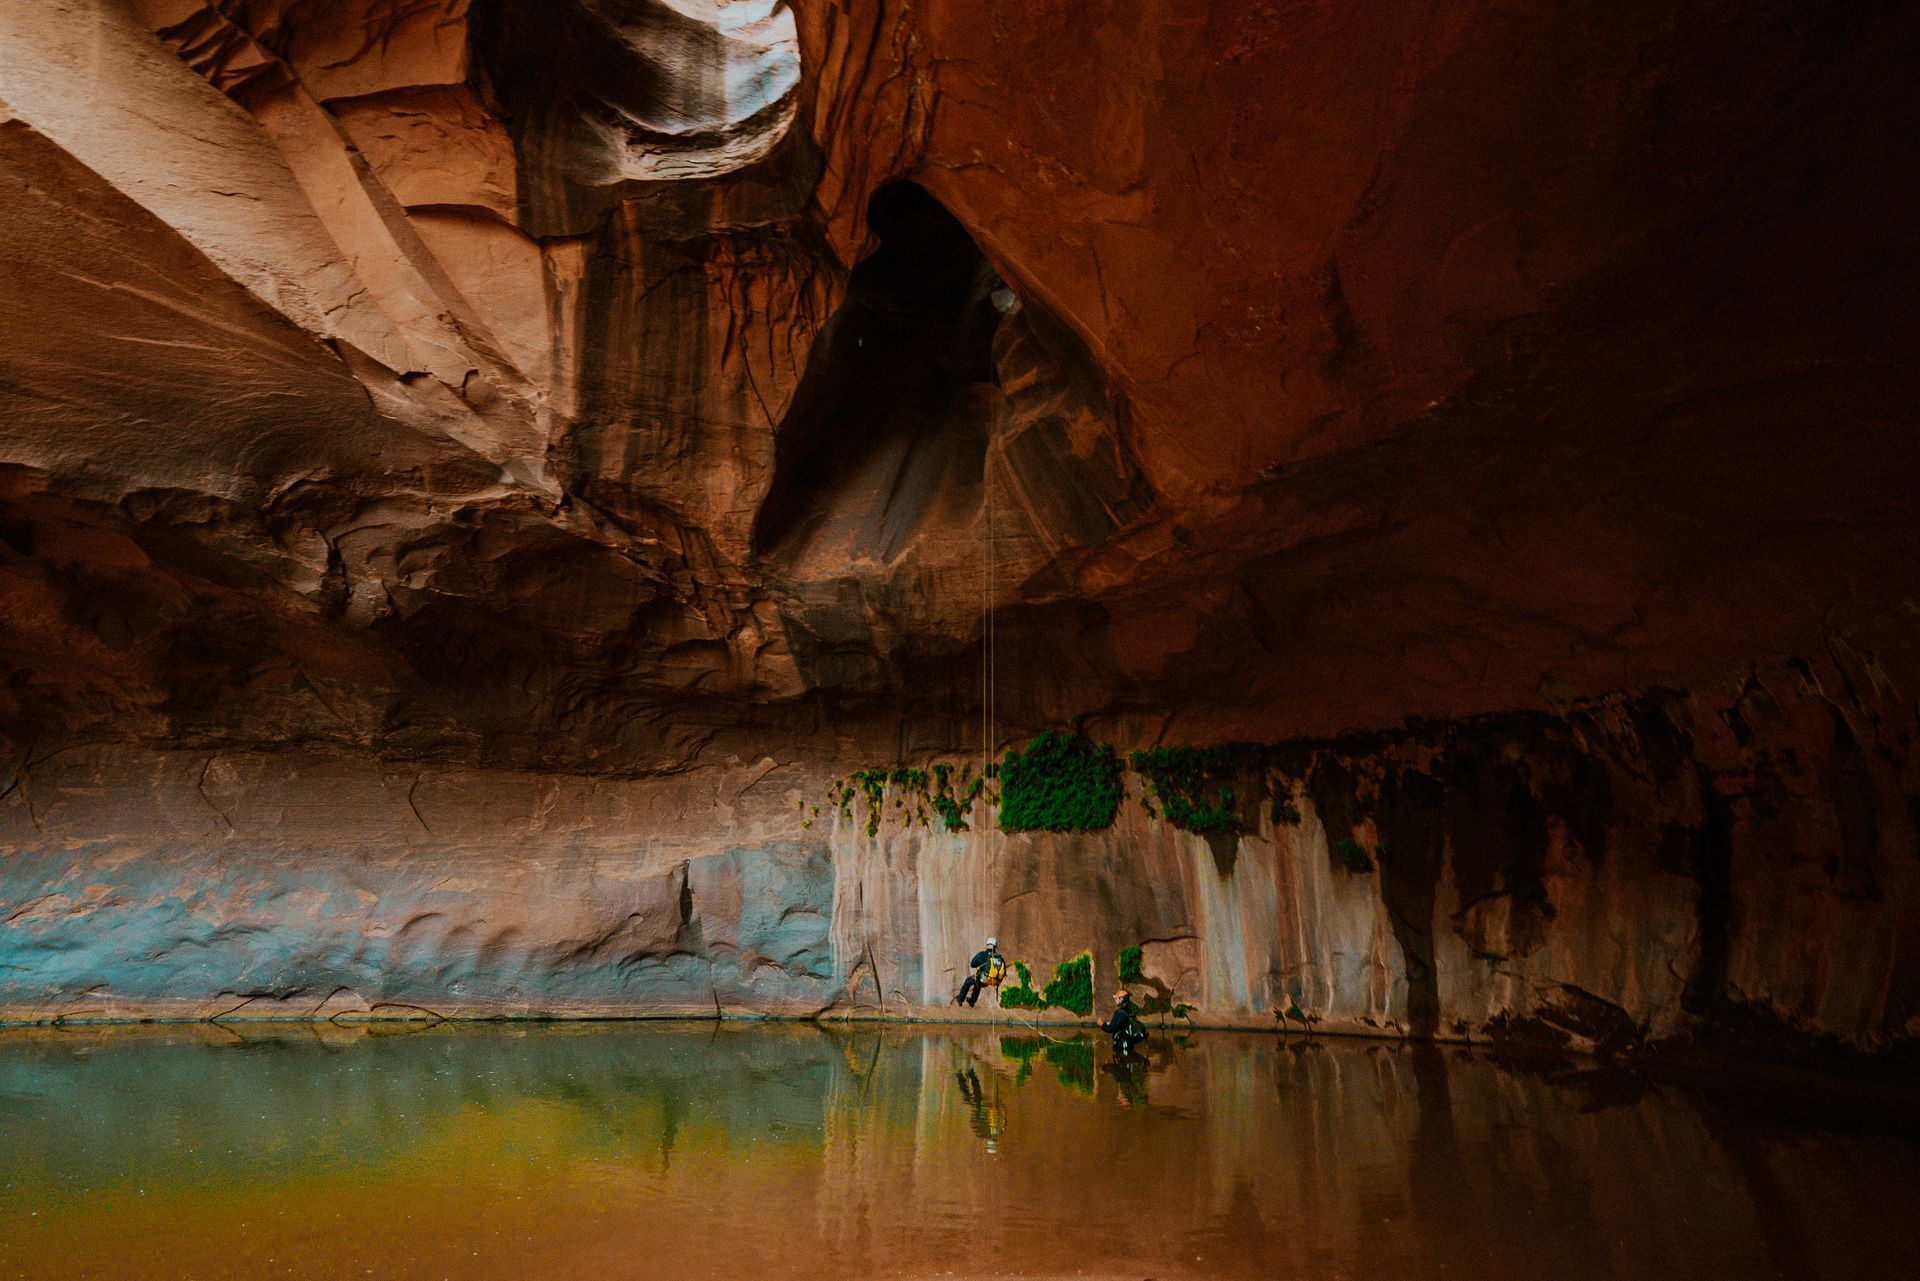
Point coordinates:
[[376, 393]]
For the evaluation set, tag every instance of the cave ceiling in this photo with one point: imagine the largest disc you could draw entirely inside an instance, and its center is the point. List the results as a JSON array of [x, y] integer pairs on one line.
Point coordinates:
[[586, 381]]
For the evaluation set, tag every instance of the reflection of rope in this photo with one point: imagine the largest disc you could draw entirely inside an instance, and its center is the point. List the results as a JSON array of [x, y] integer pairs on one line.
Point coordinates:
[[1034, 1025]]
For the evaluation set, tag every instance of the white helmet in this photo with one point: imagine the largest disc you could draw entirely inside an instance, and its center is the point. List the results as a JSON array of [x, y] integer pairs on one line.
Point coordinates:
[[993, 942]]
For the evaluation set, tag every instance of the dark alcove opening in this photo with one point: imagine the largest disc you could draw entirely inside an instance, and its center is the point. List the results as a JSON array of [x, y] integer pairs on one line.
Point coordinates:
[[897, 396]]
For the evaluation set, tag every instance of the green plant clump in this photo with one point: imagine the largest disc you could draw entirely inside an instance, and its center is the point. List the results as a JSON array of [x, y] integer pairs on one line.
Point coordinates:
[[1131, 969], [1060, 783], [1350, 855], [1194, 785], [1020, 995], [952, 805], [918, 795], [1294, 1014], [1071, 987]]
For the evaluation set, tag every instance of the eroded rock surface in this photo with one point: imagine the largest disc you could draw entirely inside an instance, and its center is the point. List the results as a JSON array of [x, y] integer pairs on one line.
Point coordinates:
[[471, 473]]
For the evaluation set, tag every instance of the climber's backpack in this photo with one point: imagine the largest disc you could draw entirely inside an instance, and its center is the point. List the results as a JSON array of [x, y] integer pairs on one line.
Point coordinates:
[[994, 970]]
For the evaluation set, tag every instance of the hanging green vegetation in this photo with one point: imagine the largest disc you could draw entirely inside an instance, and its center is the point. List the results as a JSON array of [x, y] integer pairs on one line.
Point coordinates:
[[1195, 786], [1157, 998], [1020, 995], [918, 796], [1294, 1014], [1060, 783], [1350, 855], [1071, 987]]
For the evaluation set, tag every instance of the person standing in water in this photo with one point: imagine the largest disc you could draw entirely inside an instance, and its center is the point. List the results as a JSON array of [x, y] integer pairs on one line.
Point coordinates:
[[989, 967], [1124, 1025]]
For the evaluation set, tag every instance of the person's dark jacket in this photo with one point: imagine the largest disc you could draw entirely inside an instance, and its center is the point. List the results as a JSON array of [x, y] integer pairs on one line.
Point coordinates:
[[980, 959], [1121, 1020]]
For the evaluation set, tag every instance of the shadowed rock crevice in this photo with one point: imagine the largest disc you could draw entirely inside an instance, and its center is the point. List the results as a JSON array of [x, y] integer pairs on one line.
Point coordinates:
[[897, 397]]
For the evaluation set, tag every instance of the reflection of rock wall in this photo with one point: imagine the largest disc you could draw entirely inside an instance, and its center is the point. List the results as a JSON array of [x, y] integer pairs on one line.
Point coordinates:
[[1239, 1157]]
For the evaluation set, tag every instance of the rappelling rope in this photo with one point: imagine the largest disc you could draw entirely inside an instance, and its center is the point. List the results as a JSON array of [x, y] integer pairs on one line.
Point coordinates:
[[989, 655]]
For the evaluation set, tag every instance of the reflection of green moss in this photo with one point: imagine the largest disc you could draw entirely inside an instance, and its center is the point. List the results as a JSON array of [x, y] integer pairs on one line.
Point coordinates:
[[1071, 1060], [1060, 783], [1071, 987], [1073, 1063], [1020, 995], [1022, 1049], [1130, 967]]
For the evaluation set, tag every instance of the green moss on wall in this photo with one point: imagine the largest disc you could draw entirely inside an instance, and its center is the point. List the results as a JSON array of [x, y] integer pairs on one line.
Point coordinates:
[[1130, 967], [1020, 995], [1071, 987], [1203, 789], [914, 796], [1060, 783], [1350, 855]]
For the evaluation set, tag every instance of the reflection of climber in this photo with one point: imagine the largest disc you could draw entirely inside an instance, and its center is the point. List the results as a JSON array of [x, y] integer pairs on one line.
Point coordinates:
[[986, 1117], [1129, 1072], [989, 967], [1124, 1025]]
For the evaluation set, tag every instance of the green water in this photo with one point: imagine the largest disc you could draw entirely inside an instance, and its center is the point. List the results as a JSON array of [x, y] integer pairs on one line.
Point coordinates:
[[647, 1150]]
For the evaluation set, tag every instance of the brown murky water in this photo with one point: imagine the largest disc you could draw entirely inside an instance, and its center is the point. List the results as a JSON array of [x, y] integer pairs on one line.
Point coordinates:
[[658, 1151]]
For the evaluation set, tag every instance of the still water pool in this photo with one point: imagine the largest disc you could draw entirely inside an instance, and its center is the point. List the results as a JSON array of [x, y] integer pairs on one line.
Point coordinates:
[[660, 1151]]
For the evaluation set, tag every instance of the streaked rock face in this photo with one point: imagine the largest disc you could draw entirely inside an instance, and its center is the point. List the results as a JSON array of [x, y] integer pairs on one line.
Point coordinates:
[[667, 405]]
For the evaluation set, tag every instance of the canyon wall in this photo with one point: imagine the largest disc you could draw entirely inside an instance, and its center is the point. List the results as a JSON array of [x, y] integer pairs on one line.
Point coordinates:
[[472, 474], [1626, 875]]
